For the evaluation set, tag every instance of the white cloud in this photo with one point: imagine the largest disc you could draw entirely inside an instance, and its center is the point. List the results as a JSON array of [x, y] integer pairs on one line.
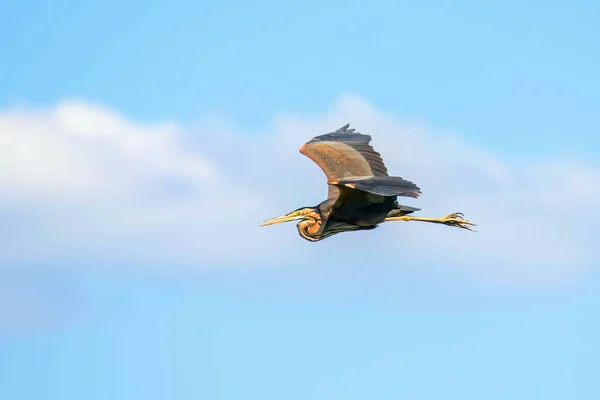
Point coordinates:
[[106, 186], [82, 150]]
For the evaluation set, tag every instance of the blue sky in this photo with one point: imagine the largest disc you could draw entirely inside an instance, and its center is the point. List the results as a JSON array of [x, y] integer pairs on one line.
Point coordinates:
[[126, 130]]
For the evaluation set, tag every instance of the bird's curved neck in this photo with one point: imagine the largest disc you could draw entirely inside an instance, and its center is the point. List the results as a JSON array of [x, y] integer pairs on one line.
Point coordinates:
[[311, 226]]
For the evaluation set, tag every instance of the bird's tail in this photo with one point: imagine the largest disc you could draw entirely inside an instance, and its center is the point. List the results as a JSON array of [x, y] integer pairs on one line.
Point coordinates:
[[402, 210]]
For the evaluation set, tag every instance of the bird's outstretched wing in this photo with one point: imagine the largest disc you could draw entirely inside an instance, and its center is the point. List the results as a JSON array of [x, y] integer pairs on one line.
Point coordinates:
[[344, 153], [348, 160]]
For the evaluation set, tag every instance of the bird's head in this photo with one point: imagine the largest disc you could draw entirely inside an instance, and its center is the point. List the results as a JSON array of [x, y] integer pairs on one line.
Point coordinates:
[[303, 213], [309, 226]]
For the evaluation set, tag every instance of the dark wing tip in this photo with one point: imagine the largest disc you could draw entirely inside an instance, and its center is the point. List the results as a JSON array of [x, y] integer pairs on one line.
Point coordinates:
[[344, 134], [344, 129], [381, 185]]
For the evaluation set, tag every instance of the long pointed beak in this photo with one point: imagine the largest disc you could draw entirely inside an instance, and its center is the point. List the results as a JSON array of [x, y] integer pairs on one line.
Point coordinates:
[[279, 220]]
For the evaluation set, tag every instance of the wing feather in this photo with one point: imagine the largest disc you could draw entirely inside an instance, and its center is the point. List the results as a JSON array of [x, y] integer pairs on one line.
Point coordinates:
[[344, 153], [387, 186], [348, 160]]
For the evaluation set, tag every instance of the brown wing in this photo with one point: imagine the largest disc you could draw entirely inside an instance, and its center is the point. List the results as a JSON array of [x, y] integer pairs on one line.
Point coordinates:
[[344, 153]]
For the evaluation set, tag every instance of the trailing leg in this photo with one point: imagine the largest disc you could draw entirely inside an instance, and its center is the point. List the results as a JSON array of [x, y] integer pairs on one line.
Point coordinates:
[[454, 219]]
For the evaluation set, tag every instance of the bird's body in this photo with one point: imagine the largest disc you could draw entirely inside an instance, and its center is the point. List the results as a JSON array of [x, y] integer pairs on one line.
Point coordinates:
[[361, 194], [357, 211]]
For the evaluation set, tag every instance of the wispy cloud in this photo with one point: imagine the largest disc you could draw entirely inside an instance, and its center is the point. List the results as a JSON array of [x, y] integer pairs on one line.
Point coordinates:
[[82, 179]]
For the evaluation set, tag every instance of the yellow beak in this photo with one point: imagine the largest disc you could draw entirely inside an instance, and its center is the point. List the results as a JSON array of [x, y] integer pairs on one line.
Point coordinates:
[[279, 220]]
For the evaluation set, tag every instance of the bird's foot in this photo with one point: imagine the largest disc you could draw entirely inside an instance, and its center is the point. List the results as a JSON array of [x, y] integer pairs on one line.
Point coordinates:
[[457, 220]]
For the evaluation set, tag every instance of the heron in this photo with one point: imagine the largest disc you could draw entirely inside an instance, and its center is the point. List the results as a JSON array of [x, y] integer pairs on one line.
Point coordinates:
[[361, 194]]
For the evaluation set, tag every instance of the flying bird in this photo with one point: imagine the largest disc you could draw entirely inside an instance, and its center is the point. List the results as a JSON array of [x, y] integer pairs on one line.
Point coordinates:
[[361, 194]]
